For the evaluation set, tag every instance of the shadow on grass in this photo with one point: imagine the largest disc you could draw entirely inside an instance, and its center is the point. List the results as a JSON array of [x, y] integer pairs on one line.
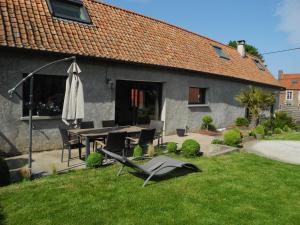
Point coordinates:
[[176, 173]]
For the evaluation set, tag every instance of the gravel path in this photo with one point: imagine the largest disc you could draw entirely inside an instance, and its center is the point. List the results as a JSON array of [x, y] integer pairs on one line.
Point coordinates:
[[285, 151]]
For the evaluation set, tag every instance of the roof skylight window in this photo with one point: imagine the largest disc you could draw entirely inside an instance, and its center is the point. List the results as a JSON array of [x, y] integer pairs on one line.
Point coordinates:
[[220, 52], [70, 10], [259, 64], [294, 81]]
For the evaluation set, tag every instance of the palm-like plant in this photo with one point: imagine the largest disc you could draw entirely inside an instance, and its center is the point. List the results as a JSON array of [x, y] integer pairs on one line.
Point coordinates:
[[256, 100]]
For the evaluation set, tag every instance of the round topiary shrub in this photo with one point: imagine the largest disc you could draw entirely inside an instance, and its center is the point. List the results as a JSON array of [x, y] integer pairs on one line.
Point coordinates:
[[137, 151], [4, 173], [217, 142], [277, 130], [95, 160], [190, 148], [269, 133], [286, 128], [242, 121], [260, 129], [172, 147], [232, 138]]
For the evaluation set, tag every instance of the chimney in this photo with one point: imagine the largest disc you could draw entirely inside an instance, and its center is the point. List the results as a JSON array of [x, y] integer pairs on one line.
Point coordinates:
[[280, 73], [241, 48]]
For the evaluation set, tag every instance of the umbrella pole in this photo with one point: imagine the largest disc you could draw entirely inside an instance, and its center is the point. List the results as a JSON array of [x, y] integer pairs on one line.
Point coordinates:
[[30, 123], [13, 91]]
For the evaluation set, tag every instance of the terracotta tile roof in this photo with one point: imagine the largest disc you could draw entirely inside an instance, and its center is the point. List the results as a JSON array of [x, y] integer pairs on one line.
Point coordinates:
[[290, 81], [120, 35]]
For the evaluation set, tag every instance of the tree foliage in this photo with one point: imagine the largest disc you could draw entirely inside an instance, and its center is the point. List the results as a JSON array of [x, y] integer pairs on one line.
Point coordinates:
[[256, 100], [250, 49]]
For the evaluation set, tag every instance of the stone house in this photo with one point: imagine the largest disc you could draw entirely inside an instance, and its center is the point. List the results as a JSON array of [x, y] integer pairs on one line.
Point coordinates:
[[290, 98], [135, 68]]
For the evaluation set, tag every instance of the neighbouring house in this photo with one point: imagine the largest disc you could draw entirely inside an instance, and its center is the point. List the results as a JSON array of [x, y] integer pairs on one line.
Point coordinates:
[[290, 98], [135, 68]]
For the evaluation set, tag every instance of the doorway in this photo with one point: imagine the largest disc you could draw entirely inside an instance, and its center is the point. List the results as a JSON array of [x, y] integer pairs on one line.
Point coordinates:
[[137, 102]]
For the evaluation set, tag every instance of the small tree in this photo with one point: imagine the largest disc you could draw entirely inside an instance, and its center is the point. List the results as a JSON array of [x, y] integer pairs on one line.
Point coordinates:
[[206, 122], [256, 100]]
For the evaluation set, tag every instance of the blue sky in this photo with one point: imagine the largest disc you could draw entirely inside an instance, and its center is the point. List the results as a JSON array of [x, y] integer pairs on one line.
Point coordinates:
[[269, 25]]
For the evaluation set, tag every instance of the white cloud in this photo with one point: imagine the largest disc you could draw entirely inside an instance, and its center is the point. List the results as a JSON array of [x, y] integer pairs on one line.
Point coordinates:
[[289, 14]]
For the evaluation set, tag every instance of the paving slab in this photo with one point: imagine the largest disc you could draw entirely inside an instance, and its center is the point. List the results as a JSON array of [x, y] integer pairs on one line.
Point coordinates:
[[284, 151], [204, 140], [47, 162]]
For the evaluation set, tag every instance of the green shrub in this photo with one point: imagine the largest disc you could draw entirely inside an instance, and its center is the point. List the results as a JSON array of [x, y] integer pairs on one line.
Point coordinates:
[[212, 127], [4, 173], [242, 121], [232, 137], [277, 130], [282, 118], [206, 122], [172, 147], [251, 133], [151, 150], [137, 151], [190, 148], [286, 128], [260, 129], [217, 142], [268, 124], [94, 160], [269, 133]]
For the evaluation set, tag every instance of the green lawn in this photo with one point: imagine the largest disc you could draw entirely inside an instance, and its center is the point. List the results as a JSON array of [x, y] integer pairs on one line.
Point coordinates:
[[293, 136], [238, 188]]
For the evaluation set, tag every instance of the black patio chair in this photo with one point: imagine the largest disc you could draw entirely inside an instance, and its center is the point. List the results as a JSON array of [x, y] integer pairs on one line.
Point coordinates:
[[108, 123], [69, 143], [145, 138], [158, 125], [157, 167], [88, 125], [115, 142]]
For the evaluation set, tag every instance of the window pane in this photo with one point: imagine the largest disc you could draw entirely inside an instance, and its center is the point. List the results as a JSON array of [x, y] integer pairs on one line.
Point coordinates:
[[196, 95], [294, 81], [48, 95], [289, 95], [69, 10], [220, 52]]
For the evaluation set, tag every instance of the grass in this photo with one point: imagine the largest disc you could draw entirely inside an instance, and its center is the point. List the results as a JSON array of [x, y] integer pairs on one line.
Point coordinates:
[[293, 136], [238, 188]]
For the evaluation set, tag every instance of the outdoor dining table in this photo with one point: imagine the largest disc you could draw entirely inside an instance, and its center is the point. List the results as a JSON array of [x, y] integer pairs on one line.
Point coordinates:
[[95, 133]]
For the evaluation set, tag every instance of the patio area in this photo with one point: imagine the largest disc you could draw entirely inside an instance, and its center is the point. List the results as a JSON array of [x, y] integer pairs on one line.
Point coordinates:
[[49, 162]]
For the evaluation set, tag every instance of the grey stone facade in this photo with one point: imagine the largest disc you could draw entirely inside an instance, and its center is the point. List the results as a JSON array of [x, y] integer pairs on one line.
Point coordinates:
[[100, 98]]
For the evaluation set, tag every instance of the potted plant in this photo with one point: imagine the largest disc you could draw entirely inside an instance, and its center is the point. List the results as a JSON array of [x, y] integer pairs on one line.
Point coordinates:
[[180, 132], [49, 109]]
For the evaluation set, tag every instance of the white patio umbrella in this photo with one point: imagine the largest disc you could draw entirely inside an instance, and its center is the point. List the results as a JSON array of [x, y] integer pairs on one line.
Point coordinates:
[[73, 108]]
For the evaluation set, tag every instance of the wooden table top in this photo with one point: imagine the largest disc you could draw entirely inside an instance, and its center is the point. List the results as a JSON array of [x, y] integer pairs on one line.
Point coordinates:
[[98, 132]]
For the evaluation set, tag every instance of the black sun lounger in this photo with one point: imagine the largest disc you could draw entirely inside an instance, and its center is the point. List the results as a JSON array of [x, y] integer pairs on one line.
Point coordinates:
[[156, 167]]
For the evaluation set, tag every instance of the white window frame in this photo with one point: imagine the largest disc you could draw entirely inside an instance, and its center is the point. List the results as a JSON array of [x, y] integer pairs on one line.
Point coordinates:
[[287, 95]]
